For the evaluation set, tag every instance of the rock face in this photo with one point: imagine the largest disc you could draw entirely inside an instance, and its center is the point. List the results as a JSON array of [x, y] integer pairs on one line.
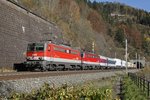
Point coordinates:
[[18, 27]]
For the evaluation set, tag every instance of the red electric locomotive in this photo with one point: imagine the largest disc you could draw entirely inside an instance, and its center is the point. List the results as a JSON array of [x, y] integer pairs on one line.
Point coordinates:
[[49, 56], [90, 61]]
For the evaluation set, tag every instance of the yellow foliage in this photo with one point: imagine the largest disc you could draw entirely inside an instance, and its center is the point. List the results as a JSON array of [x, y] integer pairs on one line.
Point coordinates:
[[29, 4], [148, 39]]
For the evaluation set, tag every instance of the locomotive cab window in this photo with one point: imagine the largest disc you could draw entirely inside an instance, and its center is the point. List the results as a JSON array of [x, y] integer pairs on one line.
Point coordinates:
[[35, 47]]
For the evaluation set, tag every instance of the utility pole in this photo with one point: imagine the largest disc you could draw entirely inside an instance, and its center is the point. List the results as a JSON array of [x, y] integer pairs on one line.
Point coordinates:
[[115, 54], [93, 46], [136, 59], [126, 53], [139, 62]]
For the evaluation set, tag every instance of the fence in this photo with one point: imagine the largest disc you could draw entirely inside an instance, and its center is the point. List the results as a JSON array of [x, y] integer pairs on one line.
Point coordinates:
[[141, 82]]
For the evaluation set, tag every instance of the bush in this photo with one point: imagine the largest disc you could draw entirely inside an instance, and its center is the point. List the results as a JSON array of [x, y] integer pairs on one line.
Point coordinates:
[[131, 91], [46, 92]]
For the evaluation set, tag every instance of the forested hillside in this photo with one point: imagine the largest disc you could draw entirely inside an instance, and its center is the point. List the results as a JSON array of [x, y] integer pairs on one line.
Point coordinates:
[[126, 22], [106, 25]]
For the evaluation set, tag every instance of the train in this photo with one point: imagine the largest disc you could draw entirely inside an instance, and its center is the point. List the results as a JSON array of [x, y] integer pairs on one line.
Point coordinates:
[[49, 56]]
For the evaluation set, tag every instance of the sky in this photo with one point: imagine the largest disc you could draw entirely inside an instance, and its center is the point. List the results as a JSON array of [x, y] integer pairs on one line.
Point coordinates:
[[140, 4]]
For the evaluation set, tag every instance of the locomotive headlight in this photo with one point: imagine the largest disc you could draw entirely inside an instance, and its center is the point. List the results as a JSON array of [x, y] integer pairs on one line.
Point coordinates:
[[40, 58], [27, 58]]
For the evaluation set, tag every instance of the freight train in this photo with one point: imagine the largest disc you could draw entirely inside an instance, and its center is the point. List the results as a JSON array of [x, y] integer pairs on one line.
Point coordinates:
[[45, 56]]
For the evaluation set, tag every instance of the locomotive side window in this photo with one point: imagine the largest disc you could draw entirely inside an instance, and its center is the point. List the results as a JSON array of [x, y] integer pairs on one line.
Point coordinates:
[[74, 52], [59, 49], [89, 56]]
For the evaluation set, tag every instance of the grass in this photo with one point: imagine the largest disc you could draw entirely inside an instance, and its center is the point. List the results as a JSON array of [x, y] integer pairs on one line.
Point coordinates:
[[6, 69], [145, 72]]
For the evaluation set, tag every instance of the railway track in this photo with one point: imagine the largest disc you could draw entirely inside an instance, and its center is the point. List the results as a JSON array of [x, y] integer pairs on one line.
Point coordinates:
[[23, 75]]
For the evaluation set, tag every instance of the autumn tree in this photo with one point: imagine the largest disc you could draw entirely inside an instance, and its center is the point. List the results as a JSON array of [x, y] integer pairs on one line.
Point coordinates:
[[119, 37]]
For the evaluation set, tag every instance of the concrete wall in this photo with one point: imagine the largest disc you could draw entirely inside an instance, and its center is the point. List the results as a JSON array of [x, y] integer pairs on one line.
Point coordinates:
[[18, 27]]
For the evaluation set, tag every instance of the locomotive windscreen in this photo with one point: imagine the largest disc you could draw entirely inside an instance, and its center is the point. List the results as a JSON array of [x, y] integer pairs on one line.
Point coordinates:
[[35, 47]]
